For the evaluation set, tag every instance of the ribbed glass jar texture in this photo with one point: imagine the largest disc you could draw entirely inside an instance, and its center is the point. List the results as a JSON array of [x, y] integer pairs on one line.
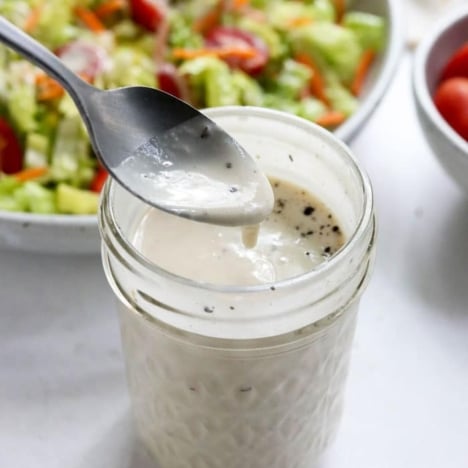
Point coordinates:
[[260, 382]]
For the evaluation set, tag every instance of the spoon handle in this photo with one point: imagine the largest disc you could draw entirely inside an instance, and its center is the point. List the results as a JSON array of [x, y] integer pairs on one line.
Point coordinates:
[[25, 45]]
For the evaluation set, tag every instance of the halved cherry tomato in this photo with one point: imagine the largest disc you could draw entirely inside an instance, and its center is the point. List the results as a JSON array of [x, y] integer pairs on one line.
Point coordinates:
[[168, 79], [148, 13], [451, 99], [457, 64], [11, 154], [83, 58], [99, 180], [225, 36]]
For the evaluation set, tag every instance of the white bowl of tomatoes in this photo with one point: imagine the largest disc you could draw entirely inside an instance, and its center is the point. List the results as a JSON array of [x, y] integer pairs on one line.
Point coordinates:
[[329, 61], [440, 88]]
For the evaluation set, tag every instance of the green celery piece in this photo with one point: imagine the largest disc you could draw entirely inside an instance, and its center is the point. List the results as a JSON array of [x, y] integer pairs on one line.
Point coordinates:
[[335, 45], [250, 91], [36, 150], [311, 108], [369, 29], [22, 107], [339, 96], [212, 81], [292, 79], [35, 198], [9, 203], [274, 42], [71, 200], [219, 87], [275, 101], [324, 10]]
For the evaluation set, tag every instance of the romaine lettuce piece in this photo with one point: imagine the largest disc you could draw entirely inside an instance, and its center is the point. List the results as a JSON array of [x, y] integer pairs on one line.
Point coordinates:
[[33, 197], [369, 29], [337, 46]]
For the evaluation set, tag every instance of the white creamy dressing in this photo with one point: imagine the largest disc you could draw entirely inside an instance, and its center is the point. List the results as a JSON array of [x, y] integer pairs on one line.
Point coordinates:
[[198, 171], [299, 234]]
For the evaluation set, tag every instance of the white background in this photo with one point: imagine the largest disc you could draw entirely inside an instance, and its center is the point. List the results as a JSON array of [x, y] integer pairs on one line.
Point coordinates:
[[63, 400]]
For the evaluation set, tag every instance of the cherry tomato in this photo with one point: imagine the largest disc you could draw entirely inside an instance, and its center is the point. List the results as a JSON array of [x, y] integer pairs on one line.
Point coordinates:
[[148, 13], [83, 58], [457, 65], [224, 36], [451, 99], [11, 154], [99, 180], [168, 79]]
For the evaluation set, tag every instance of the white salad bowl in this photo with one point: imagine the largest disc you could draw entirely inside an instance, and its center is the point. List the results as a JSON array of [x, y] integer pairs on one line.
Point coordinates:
[[77, 234]]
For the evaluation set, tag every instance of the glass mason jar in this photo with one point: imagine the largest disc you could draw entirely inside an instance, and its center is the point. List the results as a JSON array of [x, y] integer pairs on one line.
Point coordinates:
[[259, 381]]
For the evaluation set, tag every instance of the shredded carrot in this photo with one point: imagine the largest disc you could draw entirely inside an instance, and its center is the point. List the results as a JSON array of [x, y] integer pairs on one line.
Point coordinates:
[[90, 19], [298, 22], [239, 4], [317, 83], [362, 70], [108, 8], [48, 88], [331, 119], [340, 8], [221, 52], [30, 173], [210, 19], [32, 19]]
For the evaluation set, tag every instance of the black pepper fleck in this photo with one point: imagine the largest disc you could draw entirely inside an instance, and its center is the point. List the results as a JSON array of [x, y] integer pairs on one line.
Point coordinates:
[[233, 189], [307, 253], [192, 389], [327, 249], [232, 307], [290, 157], [208, 310], [229, 165], [245, 389], [308, 210], [205, 133], [335, 228], [273, 288], [309, 233]]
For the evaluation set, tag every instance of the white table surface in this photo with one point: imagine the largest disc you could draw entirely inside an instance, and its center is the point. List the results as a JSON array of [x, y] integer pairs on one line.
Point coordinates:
[[63, 399]]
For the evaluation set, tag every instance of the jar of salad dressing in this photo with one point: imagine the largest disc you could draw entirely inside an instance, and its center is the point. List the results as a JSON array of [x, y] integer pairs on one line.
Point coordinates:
[[237, 354]]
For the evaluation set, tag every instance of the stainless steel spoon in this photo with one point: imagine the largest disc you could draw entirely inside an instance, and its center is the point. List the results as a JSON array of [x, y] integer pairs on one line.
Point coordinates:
[[158, 147]]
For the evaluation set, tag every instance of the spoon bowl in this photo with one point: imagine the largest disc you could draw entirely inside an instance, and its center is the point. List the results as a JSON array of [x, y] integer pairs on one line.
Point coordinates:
[[161, 149]]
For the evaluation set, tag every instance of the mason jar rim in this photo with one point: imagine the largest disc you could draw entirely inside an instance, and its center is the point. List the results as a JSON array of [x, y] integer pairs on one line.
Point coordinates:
[[316, 272]]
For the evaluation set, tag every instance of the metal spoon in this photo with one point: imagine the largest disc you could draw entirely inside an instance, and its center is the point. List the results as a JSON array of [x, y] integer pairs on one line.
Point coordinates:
[[158, 147]]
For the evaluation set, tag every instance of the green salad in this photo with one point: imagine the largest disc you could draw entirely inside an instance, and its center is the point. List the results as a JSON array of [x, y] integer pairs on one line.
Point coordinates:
[[310, 58]]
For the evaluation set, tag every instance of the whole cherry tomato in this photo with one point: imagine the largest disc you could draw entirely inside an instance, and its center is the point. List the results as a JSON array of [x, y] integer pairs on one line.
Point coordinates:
[[451, 99], [148, 13], [11, 154], [457, 65]]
